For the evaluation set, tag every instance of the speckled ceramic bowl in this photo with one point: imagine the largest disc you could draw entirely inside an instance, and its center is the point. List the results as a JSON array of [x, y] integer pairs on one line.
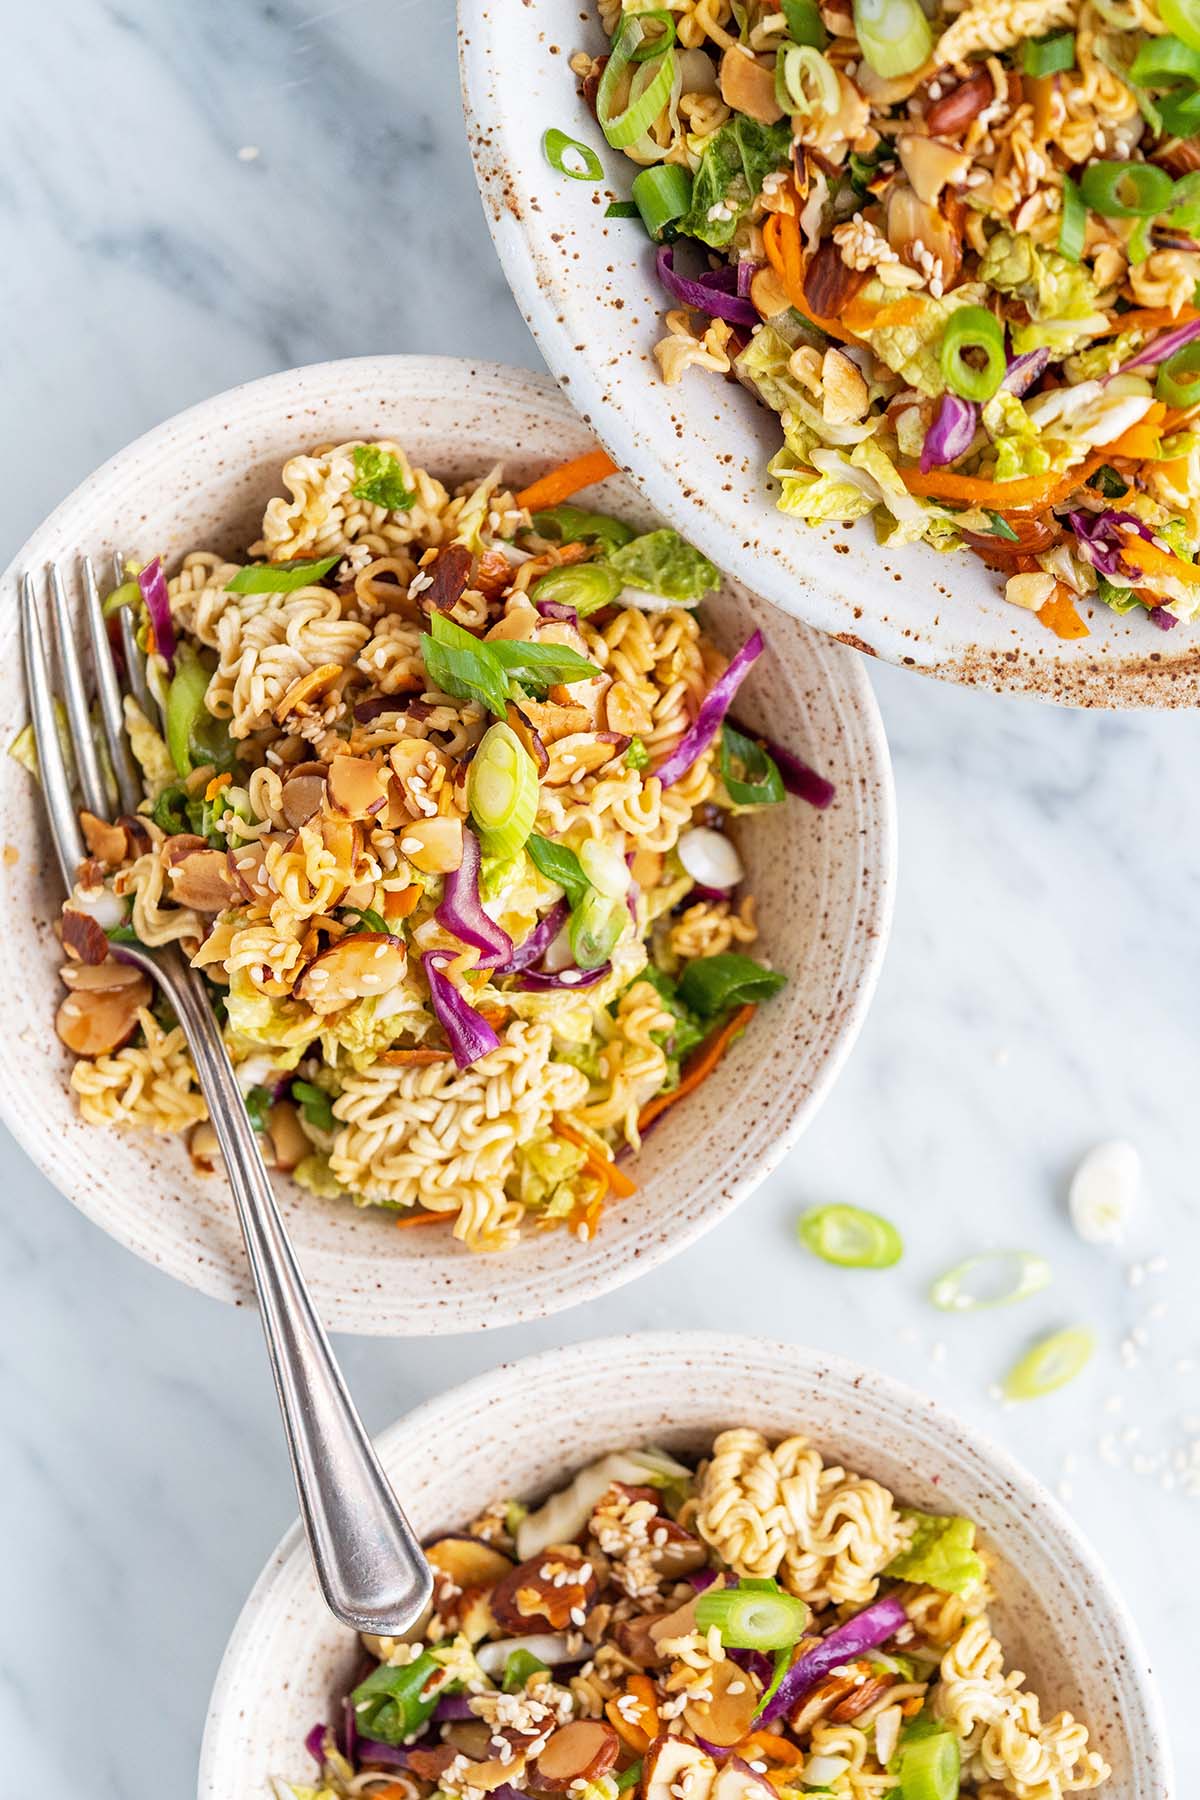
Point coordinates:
[[823, 879], [699, 450], [523, 1428]]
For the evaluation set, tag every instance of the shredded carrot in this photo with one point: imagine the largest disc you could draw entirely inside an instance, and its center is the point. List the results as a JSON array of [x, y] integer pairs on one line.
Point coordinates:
[[413, 1058], [561, 483], [404, 901], [781, 238], [407, 1221], [638, 1724], [1150, 560], [1176, 469], [1059, 614], [492, 1015], [215, 785], [1149, 318], [390, 1791], [699, 1065], [860, 315], [1037, 491], [769, 1745], [597, 1164]]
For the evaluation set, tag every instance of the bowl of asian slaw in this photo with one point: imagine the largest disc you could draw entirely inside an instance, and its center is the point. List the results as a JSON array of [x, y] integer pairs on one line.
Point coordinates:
[[890, 308], [690, 1556], [442, 952]]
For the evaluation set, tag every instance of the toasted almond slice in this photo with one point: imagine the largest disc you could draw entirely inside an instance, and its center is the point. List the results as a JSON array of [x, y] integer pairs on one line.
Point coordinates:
[[524, 729], [435, 846], [202, 880], [247, 871], [307, 688], [175, 848], [531, 1599], [581, 1751], [582, 753], [356, 787], [748, 86], [94, 1024], [303, 796], [767, 293], [99, 978], [287, 1137], [359, 967], [673, 1761], [106, 842], [468, 1561], [83, 936], [626, 710], [519, 623], [728, 1716], [203, 1147]]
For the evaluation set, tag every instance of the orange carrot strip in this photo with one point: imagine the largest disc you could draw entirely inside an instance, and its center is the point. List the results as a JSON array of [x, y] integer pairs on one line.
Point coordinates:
[[561, 483], [415, 1057], [1149, 318], [699, 1065], [636, 1731], [599, 1165], [781, 238], [215, 785], [1059, 615], [409, 1221], [1150, 560], [769, 1745], [402, 902]]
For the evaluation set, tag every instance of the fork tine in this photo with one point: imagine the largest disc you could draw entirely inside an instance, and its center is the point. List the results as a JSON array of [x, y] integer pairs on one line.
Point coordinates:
[[56, 782], [135, 669], [109, 689], [87, 763]]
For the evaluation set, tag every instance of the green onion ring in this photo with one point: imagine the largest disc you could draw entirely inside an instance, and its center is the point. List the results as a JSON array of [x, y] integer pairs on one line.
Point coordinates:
[[502, 791], [893, 35], [557, 147], [1161, 62], [650, 87], [1029, 1274], [1184, 211], [1178, 380], [1183, 18], [804, 23], [1048, 55], [662, 194], [851, 1237], [1050, 1364], [1072, 229], [1123, 190], [753, 1618], [973, 328], [805, 82]]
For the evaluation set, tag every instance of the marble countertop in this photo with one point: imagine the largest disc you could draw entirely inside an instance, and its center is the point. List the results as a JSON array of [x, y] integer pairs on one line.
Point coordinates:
[[195, 195]]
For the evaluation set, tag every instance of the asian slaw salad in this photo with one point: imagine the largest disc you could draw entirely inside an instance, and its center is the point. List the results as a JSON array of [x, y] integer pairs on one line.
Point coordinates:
[[762, 1626], [955, 247], [437, 788]]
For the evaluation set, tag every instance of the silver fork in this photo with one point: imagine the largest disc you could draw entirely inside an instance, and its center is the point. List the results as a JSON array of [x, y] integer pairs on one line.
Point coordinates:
[[369, 1564]]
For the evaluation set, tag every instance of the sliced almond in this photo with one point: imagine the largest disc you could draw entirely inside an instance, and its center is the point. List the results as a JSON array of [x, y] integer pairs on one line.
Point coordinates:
[[635, 1639], [343, 839], [728, 1716], [359, 967], [673, 1766], [83, 936], [174, 849], [356, 787], [202, 881], [864, 1696], [107, 843], [429, 1764], [582, 753], [541, 1595], [469, 1561], [931, 166], [552, 721], [520, 622], [303, 797], [247, 870], [748, 86], [203, 1147], [435, 846], [581, 1751], [736, 1780], [95, 1024], [522, 725], [647, 867], [768, 295], [626, 710], [449, 574], [99, 978], [286, 1135], [306, 689]]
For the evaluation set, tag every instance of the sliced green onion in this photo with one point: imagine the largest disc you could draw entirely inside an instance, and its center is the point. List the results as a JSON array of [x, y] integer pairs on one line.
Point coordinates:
[[805, 82], [520, 1665], [629, 1777], [715, 984], [1178, 380], [973, 328], [751, 1619], [750, 775], [128, 594], [502, 791], [280, 578], [460, 665], [1122, 190], [804, 23], [621, 209], [540, 665], [1072, 225], [315, 1104], [185, 709], [647, 89], [1048, 55], [585, 586], [1163, 62], [1001, 526], [662, 193], [1139, 245], [1050, 1364], [393, 1703], [570, 157], [930, 1768], [1183, 18], [1179, 112], [783, 1662], [595, 928], [893, 35], [369, 920], [558, 862], [1185, 203], [569, 524], [851, 1237], [1106, 481], [1015, 1275]]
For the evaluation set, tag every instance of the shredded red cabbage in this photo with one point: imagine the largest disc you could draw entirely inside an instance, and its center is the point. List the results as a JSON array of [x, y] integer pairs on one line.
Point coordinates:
[[366, 710], [951, 434], [556, 609], [756, 1662], [469, 1035], [388, 1756], [707, 293], [542, 980], [349, 1730], [538, 942], [865, 1631], [153, 587], [314, 1743], [461, 910], [715, 704], [1100, 542], [798, 778], [453, 1706], [746, 271], [1024, 370], [699, 1579], [1166, 621], [1160, 348]]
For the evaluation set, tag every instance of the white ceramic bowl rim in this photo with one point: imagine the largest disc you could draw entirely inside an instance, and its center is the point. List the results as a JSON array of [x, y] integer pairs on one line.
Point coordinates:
[[698, 450], [662, 1352], [364, 1277]]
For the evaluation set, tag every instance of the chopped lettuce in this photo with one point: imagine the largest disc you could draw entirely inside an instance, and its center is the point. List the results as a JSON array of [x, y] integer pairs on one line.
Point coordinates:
[[813, 497], [362, 1034], [545, 1173], [736, 161], [150, 749], [1019, 450], [314, 1174], [941, 1553], [660, 562], [380, 479], [256, 1019], [913, 349], [1072, 420], [1060, 295]]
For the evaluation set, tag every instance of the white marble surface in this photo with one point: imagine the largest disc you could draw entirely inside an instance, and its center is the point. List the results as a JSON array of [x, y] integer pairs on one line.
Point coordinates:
[[1039, 993]]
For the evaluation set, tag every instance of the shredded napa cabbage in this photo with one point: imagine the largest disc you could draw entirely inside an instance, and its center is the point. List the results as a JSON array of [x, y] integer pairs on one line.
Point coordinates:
[[913, 348], [1060, 294], [257, 1021], [1017, 441], [941, 1552]]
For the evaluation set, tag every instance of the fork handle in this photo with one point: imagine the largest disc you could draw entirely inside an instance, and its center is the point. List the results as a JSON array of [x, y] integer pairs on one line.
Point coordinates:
[[368, 1562]]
